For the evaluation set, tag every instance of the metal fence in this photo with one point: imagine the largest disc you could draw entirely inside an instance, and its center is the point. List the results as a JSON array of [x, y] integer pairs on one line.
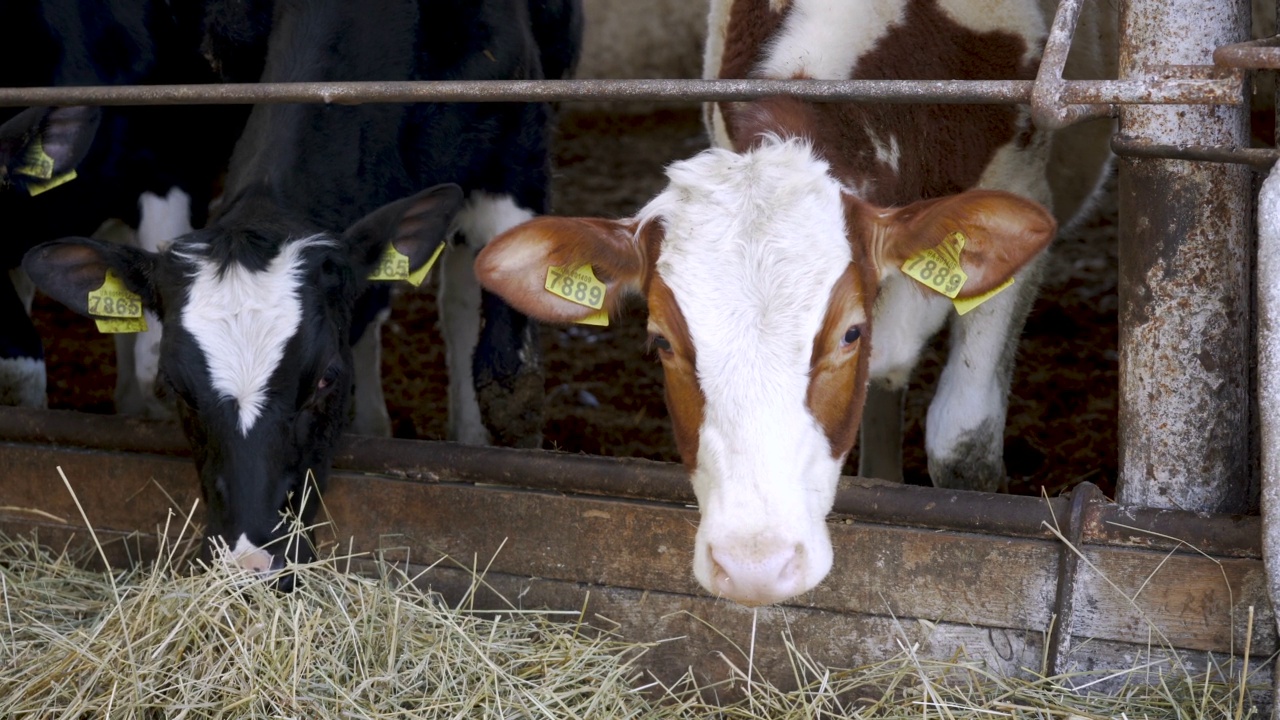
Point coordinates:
[[1186, 395]]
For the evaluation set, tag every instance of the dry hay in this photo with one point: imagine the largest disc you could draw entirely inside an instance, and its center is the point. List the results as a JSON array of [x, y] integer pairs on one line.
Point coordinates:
[[160, 641]]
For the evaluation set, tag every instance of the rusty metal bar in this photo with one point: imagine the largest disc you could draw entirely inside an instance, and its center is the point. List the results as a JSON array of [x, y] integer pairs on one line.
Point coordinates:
[[1269, 385], [1261, 54], [1185, 273], [1056, 654], [1258, 158], [1172, 89], [857, 499], [1048, 108]]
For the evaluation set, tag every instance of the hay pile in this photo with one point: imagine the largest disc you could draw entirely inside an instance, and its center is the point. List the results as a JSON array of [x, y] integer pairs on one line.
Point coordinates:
[[220, 643], [159, 641]]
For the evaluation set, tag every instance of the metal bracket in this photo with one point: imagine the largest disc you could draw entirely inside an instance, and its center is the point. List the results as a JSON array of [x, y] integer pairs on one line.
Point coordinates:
[[1057, 102]]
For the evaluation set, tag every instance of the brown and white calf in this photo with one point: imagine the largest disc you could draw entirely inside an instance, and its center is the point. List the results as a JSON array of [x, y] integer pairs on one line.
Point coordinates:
[[773, 264]]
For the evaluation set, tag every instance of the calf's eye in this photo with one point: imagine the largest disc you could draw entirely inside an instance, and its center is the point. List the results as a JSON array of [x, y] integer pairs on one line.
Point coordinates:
[[662, 344], [329, 377], [852, 334]]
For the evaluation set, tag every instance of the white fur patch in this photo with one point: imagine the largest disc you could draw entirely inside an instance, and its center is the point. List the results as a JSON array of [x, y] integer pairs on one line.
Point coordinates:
[[163, 219], [22, 382], [250, 556], [754, 244], [486, 215], [242, 321], [823, 39], [886, 152], [483, 218]]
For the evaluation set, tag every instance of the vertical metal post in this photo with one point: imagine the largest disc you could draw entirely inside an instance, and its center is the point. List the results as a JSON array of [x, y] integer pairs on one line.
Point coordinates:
[[1185, 271]]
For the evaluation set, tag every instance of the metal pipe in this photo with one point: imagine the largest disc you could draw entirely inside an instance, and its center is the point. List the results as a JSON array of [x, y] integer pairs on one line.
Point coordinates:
[[1261, 54], [1258, 158], [1269, 383], [1185, 273], [1197, 90], [1049, 110], [1059, 647]]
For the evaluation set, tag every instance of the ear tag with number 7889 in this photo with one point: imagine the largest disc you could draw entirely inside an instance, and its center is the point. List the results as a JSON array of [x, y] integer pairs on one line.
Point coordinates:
[[580, 286], [938, 268]]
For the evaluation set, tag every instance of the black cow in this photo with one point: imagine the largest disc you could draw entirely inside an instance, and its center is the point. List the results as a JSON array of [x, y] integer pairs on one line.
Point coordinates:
[[153, 168], [261, 306]]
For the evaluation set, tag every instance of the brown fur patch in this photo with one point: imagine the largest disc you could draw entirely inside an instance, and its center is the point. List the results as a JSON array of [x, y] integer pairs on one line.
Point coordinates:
[[943, 148], [685, 400], [751, 24], [514, 263], [837, 374]]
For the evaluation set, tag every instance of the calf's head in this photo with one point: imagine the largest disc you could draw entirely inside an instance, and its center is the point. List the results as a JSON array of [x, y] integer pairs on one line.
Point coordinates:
[[256, 348], [760, 273]]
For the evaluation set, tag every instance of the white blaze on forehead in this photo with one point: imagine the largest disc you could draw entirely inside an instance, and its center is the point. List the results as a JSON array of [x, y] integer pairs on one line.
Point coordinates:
[[242, 321], [823, 39], [753, 245]]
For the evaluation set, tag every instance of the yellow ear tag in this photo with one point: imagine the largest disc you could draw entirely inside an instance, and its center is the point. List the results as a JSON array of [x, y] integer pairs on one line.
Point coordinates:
[[599, 318], [415, 279], [36, 188], [394, 265], [580, 286], [38, 166], [36, 162], [113, 326], [115, 308], [966, 304], [938, 268]]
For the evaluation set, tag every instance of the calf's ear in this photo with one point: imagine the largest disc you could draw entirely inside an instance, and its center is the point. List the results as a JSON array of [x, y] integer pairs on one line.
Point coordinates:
[[41, 143], [68, 270], [415, 226], [1001, 233], [515, 264]]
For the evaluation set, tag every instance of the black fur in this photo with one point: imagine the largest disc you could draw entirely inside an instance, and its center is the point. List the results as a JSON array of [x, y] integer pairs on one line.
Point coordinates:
[[341, 171]]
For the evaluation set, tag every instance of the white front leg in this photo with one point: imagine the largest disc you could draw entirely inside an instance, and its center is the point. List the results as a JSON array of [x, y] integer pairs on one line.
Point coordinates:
[[484, 217], [964, 430], [163, 219]]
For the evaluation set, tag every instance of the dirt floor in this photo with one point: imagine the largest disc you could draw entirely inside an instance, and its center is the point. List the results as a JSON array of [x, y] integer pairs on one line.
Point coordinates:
[[604, 392]]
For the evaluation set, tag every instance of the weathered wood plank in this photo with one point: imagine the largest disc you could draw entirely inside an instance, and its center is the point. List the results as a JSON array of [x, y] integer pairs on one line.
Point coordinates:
[[992, 583], [706, 636], [1202, 602]]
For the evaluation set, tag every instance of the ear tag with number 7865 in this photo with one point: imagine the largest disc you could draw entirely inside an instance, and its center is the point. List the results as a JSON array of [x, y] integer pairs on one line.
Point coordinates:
[[394, 265], [580, 286], [116, 309]]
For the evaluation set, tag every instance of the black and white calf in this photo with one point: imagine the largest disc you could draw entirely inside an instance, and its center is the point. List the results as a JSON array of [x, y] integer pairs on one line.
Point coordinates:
[[261, 307], [137, 165], [63, 136]]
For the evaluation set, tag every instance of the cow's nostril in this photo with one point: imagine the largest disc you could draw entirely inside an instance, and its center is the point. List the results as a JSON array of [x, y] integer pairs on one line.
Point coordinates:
[[719, 576], [757, 576], [792, 572]]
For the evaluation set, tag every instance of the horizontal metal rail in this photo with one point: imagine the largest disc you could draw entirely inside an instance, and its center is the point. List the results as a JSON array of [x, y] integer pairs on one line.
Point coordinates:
[[1170, 90], [1262, 54], [1258, 158]]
